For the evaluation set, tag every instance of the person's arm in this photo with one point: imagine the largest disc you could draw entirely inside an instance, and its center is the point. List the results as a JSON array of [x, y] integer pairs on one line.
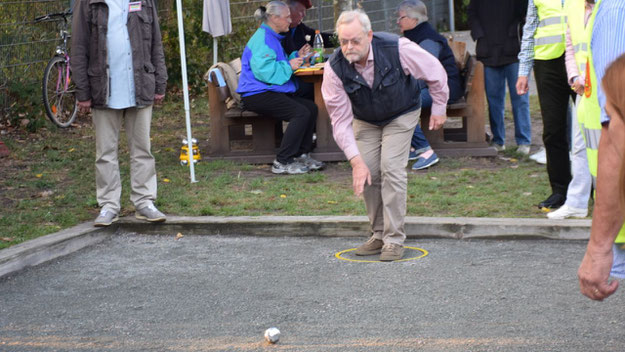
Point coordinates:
[[526, 55], [80, 53], [432, 47], [341, 115], [265, 66], [474, 20], [422, 65], [158, 59], [607, 44], [327, 37], [574, 79], [340, 110], [607, 219]]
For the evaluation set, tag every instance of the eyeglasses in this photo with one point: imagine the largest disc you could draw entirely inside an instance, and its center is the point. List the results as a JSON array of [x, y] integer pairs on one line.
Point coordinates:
[[401, 18], [355, 41]]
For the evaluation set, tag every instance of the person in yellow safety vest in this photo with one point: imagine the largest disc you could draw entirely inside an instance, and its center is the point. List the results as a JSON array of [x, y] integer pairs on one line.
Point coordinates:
[[605, 254], [577, 12], [543, 48]]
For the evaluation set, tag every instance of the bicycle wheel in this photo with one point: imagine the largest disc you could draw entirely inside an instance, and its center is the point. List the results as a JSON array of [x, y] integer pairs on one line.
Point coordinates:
[[59, 97]]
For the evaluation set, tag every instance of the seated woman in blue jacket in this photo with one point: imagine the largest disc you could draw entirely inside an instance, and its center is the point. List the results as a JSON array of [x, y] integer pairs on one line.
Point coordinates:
[[267, 86]]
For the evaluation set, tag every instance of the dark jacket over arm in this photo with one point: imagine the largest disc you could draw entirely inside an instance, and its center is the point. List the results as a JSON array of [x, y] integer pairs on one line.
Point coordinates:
[[294, 41], [496, 25]]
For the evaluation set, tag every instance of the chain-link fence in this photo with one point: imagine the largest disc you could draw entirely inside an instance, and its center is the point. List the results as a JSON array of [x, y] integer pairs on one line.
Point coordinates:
[[26, 46]]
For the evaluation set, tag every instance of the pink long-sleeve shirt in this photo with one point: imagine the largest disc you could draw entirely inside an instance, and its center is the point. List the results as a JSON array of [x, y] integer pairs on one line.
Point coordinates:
[[414, 61], [572, 71]]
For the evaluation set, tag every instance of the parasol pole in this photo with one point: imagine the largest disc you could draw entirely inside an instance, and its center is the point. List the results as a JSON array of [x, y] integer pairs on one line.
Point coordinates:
[[185, 89]]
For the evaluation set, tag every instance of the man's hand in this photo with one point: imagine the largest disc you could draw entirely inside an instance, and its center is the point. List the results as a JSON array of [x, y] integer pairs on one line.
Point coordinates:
[[158, 98], [84, 106], [594, 272], [360, 174], [296, 63], [578, 86], [304, 50], [437, 121], [522, 85]]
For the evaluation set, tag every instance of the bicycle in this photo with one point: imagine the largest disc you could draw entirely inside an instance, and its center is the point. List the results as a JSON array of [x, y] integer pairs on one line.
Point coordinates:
[[58, 90]]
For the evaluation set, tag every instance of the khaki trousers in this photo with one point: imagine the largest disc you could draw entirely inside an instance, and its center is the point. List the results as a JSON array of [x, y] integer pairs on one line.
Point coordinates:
[[385, 151], [108, 124]]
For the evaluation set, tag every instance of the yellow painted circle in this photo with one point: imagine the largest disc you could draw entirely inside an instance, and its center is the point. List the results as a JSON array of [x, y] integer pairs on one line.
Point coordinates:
[[339, 255]]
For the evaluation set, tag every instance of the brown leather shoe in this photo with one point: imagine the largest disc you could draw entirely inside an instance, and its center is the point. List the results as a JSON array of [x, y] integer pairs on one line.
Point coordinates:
[[391, 251], [372, 246]]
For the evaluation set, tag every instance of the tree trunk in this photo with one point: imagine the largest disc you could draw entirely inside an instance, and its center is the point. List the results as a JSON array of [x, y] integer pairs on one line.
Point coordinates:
[[340, 6]]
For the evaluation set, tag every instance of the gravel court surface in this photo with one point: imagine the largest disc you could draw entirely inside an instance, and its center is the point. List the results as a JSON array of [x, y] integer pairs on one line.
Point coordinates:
[[219, 293]]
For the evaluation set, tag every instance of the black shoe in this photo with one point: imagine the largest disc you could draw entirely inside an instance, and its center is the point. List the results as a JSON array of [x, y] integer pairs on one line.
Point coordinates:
[[554, 201]]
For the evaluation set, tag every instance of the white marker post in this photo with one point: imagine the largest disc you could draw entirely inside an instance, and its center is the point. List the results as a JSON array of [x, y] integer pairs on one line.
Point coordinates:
[[185, 89]]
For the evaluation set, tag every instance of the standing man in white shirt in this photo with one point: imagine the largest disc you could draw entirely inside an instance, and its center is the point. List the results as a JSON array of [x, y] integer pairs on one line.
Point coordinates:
[[118, 67]]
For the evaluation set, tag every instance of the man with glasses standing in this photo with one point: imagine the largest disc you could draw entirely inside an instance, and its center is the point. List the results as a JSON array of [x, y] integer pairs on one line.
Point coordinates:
[[371, 92]]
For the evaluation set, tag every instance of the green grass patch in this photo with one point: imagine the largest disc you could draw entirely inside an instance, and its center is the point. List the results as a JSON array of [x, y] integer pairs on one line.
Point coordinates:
[[48, 182]]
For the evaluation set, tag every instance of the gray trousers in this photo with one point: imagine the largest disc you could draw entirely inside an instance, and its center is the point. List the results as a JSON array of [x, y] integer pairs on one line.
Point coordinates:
[[385, 151], [108, 123]]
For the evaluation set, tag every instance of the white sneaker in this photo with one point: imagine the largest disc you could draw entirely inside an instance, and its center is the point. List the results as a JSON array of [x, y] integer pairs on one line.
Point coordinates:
[[523, 149], [567, 212], [105, 218], [150, 213], [540, 156], [498, 147]]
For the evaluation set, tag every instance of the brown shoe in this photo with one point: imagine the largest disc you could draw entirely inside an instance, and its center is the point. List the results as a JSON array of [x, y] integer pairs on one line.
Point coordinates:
[[372, 246], [391, 251]]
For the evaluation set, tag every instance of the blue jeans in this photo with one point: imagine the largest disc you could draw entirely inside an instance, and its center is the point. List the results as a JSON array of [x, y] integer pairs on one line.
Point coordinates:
[[419, 143], [495, 84]]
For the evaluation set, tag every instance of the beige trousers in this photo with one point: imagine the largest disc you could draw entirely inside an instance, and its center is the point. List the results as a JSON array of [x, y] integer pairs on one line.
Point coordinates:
[[108, 123], [385, 151]]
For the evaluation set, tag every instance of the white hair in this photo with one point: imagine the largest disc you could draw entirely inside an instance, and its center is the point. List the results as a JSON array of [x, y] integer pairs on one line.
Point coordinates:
[[414, 9], [273, 8], [347, 17]]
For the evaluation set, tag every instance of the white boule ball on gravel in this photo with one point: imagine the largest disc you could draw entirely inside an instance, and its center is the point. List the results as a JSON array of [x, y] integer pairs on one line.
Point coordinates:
[[272, 335]]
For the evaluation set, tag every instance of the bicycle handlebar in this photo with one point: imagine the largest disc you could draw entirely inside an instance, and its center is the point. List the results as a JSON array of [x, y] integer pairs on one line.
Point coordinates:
[[52, 16]]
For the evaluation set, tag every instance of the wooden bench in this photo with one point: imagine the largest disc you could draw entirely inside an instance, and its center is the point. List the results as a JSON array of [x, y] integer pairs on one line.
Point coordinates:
[[232, 129], [466, 137]]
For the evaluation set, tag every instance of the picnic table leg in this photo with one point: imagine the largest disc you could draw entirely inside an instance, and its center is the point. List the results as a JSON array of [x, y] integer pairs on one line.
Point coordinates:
[[325, 140], [476, 124]]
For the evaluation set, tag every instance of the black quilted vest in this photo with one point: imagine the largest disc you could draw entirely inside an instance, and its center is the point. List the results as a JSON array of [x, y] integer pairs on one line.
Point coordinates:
[[393, 93]]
